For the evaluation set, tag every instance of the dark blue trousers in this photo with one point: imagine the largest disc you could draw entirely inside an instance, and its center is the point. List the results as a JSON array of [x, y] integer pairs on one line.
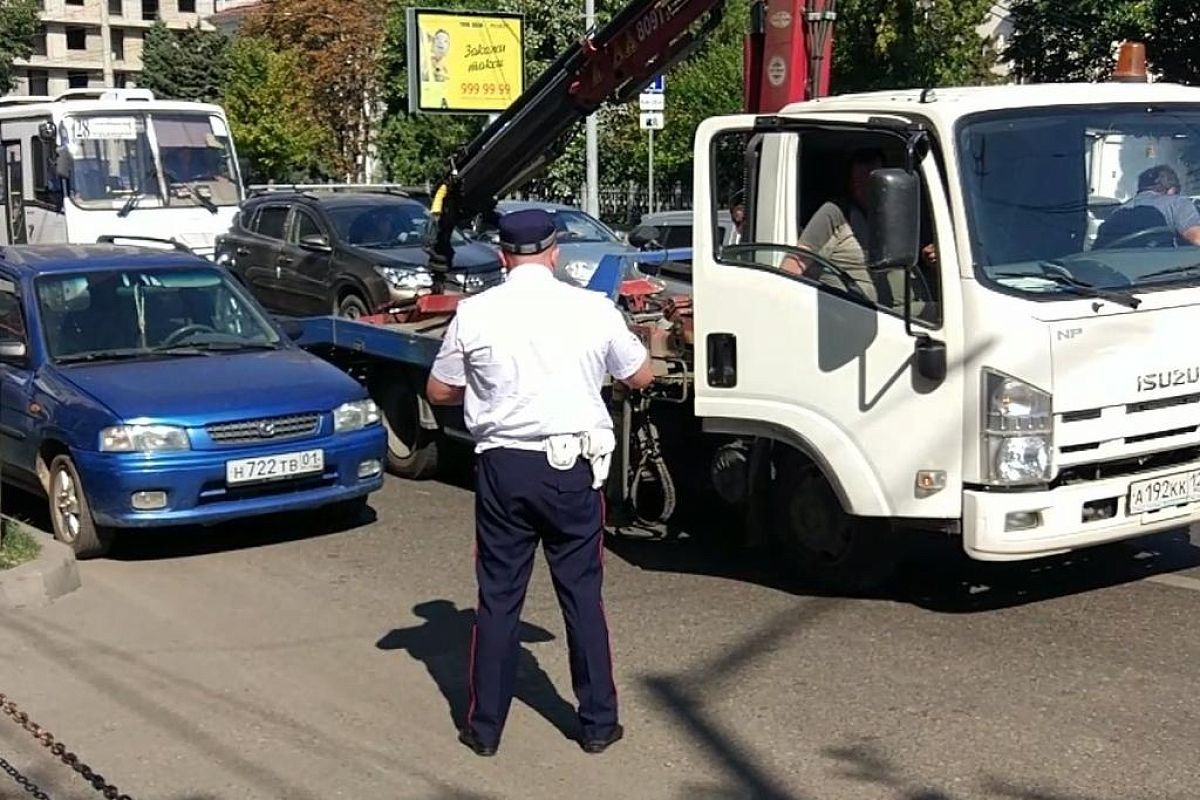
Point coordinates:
[[521, 500]]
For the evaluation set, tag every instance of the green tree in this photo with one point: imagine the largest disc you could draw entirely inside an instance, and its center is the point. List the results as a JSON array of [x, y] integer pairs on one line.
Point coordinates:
[[187, 64], [18, 25], [1174, 44], [1074, 40], [268, 97], [892, 44]]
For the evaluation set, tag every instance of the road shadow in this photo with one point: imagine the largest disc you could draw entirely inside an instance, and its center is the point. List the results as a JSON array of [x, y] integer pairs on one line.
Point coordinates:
[[935, 573], [443, 643], [188, 541]]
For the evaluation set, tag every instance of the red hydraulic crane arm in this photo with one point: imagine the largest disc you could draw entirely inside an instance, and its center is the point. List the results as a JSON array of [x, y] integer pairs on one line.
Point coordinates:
[[644, 40]]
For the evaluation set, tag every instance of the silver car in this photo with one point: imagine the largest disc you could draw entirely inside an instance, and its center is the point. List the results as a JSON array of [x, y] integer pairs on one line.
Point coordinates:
[[582, 239]]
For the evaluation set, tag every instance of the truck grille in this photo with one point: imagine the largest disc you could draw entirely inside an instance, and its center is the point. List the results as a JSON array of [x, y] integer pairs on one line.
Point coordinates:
[[1127, 437], [265, 429]]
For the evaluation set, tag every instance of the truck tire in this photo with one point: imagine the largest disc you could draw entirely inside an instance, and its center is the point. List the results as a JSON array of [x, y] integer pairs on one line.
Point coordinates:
[[413, 451], [823, 545], [71, 514]]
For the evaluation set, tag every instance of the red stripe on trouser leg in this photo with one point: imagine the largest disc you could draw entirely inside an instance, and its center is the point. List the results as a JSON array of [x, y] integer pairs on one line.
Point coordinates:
[[607, 629], [471, 674]]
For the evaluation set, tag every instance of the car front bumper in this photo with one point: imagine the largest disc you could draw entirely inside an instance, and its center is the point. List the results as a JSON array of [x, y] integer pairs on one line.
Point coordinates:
[[195, 481], [1067, 518]]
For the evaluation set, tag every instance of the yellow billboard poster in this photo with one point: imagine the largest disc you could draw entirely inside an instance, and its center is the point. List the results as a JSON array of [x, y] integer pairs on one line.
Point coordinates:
[[464, 62]]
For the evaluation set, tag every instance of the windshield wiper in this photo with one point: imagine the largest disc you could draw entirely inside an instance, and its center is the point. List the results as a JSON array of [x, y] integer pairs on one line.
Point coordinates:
[[202, 198], [1075, 285], [1180, 270], [129, 206], [207, 348], [101, 355]]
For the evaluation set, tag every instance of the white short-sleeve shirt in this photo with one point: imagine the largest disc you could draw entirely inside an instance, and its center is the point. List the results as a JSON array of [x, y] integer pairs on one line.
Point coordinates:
[[532, 354]]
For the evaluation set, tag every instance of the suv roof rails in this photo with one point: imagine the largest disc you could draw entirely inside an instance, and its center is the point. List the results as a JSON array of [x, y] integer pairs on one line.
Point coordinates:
[[175, 243], [312, 189]]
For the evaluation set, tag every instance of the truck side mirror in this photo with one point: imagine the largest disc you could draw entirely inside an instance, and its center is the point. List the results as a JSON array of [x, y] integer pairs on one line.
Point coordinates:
[[895, 219]]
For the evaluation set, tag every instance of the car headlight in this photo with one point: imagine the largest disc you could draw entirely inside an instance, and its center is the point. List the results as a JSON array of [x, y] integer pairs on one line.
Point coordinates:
[[1018, 432], [144, 439], [355, 416], [405, 279], [580, 271]]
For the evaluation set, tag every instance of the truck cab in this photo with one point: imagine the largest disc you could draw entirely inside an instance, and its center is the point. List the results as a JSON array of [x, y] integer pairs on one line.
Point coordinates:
[[994, 367]]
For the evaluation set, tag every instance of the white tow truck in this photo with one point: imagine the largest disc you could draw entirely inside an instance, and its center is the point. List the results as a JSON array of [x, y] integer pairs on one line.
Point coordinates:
[[989, 373]]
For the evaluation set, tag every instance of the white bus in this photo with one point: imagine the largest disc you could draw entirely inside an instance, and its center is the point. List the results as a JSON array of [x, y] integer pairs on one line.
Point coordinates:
[[93, 163]]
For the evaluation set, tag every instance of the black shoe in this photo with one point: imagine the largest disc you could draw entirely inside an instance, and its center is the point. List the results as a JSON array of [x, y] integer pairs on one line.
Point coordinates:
[[477, 747], [595, 746]]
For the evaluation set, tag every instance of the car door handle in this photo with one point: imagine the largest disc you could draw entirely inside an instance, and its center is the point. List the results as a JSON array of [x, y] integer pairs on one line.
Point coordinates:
[[285, 260], [243, 251]]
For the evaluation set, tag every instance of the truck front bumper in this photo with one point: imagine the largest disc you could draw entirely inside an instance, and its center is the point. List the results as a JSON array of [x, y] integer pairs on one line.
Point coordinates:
[[1012, 526]]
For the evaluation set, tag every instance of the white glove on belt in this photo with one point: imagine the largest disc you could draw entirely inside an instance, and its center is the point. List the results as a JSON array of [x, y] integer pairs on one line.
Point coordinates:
[[596, 446]]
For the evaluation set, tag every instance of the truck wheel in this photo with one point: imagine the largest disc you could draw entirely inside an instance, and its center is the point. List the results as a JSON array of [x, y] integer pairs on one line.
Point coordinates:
[[412, 449], [70, 513], [823, 544], [352, 307]]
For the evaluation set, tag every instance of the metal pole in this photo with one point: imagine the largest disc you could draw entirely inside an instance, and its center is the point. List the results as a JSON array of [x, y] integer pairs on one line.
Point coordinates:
[[650, 170], [106, 45], [592, 201]]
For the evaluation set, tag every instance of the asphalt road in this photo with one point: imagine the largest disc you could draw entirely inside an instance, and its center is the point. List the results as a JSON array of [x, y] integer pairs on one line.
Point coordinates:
[[282, 659]]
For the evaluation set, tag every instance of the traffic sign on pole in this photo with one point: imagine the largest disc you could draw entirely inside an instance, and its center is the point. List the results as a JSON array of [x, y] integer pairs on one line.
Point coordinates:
[[652, 101], [658, 85], [652, 120]]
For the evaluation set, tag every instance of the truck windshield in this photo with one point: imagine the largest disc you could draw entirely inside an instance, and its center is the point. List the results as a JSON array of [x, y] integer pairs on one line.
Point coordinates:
[[113, 159], [130, 314], [1102, 196]]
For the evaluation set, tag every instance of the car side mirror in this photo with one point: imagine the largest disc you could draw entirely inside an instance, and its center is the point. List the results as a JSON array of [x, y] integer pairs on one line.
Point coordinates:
[[316, 243], [645, 236], [13, 351], [894, 210]]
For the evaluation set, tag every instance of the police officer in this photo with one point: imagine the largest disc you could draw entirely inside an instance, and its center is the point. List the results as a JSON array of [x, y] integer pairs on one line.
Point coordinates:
[[527, 360]]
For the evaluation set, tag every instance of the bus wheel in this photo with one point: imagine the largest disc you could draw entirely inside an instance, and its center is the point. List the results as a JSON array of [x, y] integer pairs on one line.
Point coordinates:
[[823, 545]]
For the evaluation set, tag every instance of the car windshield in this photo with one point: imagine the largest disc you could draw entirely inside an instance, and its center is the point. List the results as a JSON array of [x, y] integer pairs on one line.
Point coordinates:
[[128, 313], [576, 226], [1092, 197], [111, 160], [383, 224]]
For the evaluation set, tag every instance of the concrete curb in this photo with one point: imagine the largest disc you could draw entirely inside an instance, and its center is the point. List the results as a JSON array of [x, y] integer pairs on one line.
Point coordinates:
[[48, 577]]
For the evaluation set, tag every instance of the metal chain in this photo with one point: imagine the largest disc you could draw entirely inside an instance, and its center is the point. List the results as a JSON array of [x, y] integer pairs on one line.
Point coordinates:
[[26, 784], [59, 750]]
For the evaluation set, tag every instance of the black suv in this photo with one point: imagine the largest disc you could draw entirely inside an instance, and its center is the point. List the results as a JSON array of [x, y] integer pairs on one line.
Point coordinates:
[[312, 254]]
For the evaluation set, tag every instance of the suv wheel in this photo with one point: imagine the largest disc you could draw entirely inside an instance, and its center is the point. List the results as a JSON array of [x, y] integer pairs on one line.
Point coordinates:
[[351, 306]]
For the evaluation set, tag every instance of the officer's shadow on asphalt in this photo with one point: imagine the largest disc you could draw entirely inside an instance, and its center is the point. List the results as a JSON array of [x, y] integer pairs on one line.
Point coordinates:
[[442, 643]]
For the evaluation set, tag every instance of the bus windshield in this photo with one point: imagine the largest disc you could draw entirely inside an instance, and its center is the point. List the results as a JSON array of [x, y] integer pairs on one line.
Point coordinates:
[[176, 159]]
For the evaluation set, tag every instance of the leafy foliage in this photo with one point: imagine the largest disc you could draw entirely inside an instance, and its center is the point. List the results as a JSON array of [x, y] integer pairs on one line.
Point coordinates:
[[269, 100], [187, 64], [1073, 40], [341, 44], [18, 26]]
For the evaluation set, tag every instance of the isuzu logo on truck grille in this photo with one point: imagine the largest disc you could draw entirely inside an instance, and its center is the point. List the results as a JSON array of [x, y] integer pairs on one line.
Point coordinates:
[[1168, 378]]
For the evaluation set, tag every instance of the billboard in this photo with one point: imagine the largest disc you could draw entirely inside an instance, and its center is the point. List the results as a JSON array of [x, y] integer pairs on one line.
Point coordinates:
[[464, 62]]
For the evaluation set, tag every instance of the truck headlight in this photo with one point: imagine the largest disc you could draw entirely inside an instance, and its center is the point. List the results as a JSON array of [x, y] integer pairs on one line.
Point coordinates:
[[405, 280], [355, 416], [1017, 432], [144, 439]]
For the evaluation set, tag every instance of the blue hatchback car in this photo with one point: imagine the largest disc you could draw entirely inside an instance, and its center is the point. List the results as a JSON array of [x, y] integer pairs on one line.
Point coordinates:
[[142, 388]]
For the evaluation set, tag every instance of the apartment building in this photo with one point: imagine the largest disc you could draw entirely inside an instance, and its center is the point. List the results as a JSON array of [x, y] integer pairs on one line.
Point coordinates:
[[86, 44], [229, 14]]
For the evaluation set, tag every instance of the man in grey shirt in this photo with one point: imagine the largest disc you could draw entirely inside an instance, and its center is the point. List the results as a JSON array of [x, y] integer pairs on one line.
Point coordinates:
[[1158, 191]]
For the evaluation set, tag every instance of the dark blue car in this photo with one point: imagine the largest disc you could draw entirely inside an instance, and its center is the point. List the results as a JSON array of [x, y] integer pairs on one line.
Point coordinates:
[[142, 388]]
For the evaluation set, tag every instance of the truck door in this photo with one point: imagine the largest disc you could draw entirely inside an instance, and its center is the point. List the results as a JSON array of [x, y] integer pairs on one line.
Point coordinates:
[[820, 358]]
